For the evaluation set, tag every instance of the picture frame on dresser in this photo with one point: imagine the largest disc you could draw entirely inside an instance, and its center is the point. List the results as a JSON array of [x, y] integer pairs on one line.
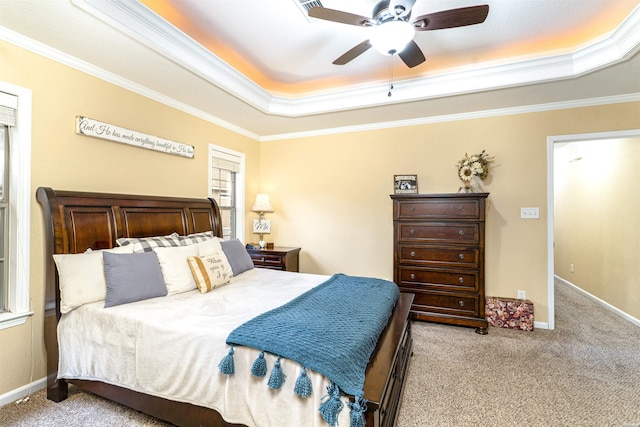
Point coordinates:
[[405, 184]]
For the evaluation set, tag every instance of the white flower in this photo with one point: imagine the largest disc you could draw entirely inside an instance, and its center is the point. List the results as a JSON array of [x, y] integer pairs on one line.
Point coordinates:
[[465, 173], [475, 165]]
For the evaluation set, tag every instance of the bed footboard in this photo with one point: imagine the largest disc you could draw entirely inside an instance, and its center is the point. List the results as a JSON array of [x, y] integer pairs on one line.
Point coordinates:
[[388, 366]]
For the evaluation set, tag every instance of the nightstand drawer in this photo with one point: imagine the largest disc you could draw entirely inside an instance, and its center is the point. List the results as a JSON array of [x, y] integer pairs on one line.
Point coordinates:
[[439, 255], [266, 260], [278, 258]]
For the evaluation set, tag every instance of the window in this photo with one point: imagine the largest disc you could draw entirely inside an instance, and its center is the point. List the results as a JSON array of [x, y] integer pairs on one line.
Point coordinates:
[[15, 203], [4, 209], [226, 187]]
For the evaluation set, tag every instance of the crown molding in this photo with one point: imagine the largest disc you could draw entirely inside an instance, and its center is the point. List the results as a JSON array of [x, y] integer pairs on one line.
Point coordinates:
[[635, 97], [62, 58], [137, 21]]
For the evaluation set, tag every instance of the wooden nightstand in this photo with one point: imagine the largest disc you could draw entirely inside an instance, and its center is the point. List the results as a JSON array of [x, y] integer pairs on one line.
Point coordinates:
[[278, 258]]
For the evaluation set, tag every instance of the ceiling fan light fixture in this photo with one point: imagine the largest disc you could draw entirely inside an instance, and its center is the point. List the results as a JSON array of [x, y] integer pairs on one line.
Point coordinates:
[[391, 37]]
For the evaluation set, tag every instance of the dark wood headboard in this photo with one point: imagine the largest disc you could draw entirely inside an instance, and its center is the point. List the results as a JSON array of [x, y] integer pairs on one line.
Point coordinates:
[[75, 221]]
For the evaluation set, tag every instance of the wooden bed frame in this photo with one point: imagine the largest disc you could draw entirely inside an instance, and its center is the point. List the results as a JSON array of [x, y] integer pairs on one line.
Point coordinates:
[[75, 221]]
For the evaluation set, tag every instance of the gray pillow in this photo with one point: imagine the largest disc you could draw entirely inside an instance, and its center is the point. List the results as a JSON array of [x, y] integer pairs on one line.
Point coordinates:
[[132, 277], [237, 255]]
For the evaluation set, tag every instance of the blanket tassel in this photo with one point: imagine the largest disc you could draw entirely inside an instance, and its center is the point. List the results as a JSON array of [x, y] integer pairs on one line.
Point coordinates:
[[277, 377], [259, 367], [358, 408], [331, 405], [226, 365], [303, 385]]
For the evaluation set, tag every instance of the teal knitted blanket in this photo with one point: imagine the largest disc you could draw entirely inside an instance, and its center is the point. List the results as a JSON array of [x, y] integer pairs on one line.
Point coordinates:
[[331, 329]]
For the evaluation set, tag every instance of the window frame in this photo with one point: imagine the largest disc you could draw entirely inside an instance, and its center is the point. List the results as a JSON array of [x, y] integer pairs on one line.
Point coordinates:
[[216, 151], [17, 305]]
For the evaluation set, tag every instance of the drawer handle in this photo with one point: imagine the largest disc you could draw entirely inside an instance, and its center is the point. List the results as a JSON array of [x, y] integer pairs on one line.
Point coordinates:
[[262, 259], [461, 208], [413, 208], [412, 231], [461, 232], [413, 276], [461, 256], [413, 253], [461, 303], [461, 279]]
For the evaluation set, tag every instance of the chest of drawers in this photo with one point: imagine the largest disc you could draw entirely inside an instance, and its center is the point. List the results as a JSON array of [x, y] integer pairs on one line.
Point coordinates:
[[439, 256]]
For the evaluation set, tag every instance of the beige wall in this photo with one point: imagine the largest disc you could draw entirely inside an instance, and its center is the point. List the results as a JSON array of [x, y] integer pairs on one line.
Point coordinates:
[[330, 193], [63, 160], [597, 227]]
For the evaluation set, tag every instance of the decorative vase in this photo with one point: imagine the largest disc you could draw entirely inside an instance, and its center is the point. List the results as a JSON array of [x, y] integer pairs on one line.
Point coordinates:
[[466, 187], [476, 184]]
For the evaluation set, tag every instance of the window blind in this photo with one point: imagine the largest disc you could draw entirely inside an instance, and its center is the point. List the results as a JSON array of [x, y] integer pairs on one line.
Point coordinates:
[[8, 106]]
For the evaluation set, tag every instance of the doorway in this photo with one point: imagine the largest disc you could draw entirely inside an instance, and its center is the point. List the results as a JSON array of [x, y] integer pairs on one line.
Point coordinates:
[[553, 142]]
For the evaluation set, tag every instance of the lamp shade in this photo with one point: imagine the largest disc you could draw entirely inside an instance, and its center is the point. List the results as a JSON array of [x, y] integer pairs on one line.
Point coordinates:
[[262, 204]]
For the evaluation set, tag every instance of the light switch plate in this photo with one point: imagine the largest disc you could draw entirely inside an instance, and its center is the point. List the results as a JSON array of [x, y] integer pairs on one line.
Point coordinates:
[[529, 213]]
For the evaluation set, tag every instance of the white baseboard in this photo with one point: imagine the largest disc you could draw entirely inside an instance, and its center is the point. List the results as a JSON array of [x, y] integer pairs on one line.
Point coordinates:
[[605, 304], [23, 391], [540, 325]]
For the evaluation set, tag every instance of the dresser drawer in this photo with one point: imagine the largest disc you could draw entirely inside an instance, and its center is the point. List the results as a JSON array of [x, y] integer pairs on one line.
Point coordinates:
[[439, 256], [415, 278], [457, 305], [438, 232], [438, 208]]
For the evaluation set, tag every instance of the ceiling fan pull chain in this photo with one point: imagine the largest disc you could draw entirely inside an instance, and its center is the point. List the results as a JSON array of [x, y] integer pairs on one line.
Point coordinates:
[[390, 75]]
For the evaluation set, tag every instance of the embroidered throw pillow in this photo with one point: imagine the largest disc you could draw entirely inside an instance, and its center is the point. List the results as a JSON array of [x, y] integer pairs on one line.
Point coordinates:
[[210, 271]]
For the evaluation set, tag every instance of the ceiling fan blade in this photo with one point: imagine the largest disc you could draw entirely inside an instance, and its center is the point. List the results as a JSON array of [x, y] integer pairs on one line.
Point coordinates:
[[452, 18], [338, 16], [401, 7], [353, 53], [412, 55]]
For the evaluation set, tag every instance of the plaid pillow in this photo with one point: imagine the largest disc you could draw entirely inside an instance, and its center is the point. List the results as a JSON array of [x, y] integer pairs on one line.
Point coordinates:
[[146, 244], [195, 238]]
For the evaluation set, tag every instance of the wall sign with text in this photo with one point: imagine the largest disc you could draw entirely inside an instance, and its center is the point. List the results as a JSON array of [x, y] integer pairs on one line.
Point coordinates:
[[89, 127]]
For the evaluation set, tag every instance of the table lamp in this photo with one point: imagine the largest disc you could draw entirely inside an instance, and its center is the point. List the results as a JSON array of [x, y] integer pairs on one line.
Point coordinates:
[[262, 226]]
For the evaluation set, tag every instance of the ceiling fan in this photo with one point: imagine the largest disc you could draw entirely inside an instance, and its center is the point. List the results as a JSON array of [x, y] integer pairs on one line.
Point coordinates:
[[394, 28]]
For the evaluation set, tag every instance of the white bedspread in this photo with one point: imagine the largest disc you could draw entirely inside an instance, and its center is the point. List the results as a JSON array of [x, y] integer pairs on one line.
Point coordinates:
[[171, 346]]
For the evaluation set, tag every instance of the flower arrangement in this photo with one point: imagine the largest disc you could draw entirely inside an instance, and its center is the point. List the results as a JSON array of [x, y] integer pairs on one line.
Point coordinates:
[[473, 168]]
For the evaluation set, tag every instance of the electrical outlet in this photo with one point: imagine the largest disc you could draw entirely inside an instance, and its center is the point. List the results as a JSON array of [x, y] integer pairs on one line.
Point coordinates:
[[522, 294], [571, 268], [530, 213]]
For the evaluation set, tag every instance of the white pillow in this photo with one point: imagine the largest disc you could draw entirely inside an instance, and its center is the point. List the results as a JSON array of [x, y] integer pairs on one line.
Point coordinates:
[[209, 246], [210, 271], [81, 277], [175, 270]]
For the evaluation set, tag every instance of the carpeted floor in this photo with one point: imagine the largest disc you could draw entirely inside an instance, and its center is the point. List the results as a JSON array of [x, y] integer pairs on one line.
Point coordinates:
[[584, 373]]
